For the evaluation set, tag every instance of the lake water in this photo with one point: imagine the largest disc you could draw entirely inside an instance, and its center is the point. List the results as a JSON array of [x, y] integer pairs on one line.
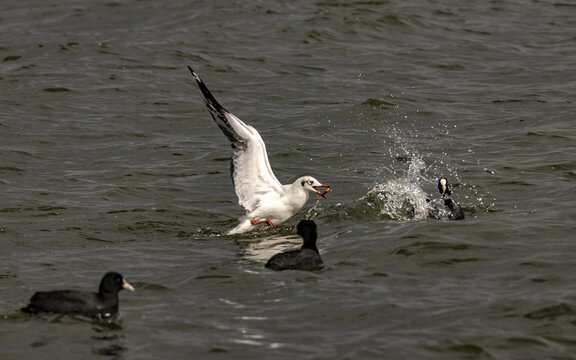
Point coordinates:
[[109, 161]]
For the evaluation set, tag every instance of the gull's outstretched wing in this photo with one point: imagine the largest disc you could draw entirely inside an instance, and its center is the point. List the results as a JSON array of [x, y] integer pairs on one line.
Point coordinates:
[[251, 172]]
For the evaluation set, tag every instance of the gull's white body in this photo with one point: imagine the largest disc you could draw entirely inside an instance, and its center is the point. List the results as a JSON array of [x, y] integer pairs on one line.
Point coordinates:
[[257, 188], [278, 206]]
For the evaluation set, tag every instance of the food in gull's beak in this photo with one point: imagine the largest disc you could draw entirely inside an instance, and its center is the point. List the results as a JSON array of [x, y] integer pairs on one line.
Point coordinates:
[[323, 194]]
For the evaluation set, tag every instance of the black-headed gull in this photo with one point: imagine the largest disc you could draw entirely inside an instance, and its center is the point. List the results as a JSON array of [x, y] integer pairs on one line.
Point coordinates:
[[258, 190]]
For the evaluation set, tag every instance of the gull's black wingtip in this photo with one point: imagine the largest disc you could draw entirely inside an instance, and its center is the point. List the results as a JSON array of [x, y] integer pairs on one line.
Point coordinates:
[[196, 77], [192, 71], [211, 102]]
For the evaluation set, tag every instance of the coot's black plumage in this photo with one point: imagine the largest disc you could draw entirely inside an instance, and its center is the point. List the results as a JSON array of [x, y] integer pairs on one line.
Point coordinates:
[[305, 258], [102, 304], [456, 211]]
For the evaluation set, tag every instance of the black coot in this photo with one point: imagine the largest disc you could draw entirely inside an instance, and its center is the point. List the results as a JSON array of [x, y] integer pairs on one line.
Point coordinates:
[[101, 305], [456, 211], [305, 258]]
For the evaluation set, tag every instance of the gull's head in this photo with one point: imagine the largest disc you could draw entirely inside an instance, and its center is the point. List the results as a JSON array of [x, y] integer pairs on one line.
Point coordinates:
[[313, 185], [443, 186]]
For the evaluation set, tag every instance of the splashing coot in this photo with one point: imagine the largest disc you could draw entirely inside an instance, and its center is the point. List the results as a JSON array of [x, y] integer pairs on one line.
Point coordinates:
[[455, 210], [305, 258], [101, 305]]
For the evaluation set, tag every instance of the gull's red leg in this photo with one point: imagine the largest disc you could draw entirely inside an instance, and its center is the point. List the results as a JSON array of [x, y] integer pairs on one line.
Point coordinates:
[[267, 221]]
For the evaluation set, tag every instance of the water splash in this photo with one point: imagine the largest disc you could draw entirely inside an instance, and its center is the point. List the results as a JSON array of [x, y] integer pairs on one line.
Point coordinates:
[[401, 198], [405, 175]]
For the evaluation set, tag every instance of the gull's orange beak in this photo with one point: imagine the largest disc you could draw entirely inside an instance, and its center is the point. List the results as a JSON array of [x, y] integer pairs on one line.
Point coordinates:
[[323, 194]]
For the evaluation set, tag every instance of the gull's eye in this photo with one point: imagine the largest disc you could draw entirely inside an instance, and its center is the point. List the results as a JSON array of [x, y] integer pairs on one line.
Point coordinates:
[[310, 182]]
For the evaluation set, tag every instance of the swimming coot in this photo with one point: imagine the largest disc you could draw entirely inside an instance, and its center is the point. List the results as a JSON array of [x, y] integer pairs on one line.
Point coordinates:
[[101, 305], [305, 258]]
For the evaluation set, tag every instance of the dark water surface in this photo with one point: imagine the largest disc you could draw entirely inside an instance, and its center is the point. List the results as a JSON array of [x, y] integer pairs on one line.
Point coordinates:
[[109, 161]]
